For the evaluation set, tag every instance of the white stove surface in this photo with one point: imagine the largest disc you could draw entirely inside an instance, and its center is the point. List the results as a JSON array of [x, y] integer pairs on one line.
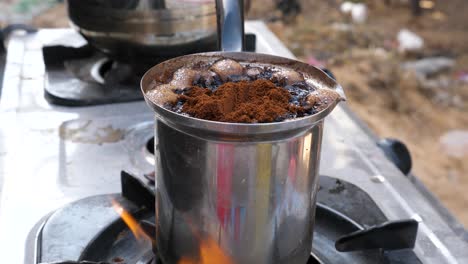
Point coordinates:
[[52, 155]]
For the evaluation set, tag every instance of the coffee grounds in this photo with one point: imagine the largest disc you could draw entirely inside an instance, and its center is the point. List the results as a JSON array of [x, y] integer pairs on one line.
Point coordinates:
[[259, 101]]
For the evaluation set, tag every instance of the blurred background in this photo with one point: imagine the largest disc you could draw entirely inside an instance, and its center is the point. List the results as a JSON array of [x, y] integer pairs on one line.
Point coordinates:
[[403, 63]]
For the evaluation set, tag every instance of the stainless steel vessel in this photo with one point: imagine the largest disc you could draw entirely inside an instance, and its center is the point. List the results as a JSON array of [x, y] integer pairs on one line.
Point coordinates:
[[250, 188], [230, 192], [138, 31]]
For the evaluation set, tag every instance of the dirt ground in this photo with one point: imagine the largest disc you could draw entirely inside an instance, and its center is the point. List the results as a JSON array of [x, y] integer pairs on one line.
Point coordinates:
[[366, 61], [394, 103]]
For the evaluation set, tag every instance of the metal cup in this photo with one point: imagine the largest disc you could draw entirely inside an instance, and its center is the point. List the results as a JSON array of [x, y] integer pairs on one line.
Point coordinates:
[[245, 192]]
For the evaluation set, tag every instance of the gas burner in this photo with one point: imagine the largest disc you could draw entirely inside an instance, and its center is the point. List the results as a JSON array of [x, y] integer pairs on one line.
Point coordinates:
[[82, 76], [108, 240]]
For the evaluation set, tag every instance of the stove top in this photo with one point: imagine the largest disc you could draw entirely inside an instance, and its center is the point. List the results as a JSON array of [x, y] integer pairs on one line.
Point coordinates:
[[54, 156]]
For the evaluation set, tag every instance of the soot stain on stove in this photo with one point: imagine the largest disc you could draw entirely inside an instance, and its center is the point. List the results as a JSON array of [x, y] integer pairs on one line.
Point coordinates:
[[338, 188], [85, 131]]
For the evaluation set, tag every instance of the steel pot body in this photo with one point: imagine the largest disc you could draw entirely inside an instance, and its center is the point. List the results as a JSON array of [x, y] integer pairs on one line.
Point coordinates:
[[255, 200], [139, 31], [242, 191]]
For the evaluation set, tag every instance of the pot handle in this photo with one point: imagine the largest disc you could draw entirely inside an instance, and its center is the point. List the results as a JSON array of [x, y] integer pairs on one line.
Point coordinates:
[[230, 18]]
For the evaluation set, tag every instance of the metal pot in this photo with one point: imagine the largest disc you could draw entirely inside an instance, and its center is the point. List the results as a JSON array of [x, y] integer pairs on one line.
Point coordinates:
[[244, 193], [138, 31]]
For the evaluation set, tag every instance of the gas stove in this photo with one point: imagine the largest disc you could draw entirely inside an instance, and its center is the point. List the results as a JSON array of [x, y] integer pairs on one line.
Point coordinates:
[[62, 165]]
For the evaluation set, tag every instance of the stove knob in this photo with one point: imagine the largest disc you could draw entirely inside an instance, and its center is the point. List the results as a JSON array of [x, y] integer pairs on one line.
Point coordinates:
[[397, 152]]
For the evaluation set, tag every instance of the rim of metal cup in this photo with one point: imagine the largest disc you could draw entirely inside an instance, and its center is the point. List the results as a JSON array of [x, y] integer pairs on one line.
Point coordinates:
[[167, 68]]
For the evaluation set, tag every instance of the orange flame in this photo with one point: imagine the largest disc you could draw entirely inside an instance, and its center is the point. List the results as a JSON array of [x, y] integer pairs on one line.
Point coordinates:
[[136, 229], [210, 253]]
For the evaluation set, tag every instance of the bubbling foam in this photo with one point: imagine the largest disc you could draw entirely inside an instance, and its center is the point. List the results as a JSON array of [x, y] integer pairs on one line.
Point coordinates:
[[204, 86]]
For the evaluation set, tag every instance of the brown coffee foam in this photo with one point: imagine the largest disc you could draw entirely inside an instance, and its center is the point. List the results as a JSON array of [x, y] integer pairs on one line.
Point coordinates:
[[163, 94]]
